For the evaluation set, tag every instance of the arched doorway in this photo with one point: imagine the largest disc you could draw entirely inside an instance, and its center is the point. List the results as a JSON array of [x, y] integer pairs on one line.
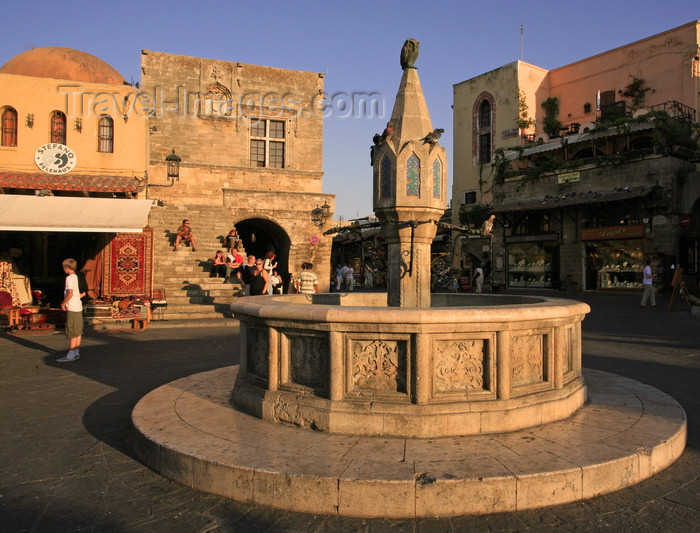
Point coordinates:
[[259, 236]]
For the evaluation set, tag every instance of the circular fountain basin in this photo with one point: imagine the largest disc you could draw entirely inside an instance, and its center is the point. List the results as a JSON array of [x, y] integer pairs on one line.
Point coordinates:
[[470, 364]]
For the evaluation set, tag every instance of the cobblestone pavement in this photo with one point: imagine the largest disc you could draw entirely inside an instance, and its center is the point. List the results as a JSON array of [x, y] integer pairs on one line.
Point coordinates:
[[66, 463]]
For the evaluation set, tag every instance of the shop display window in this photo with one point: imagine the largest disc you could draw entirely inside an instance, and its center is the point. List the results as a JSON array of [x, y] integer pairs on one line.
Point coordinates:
[[530, 265], [620, 268]]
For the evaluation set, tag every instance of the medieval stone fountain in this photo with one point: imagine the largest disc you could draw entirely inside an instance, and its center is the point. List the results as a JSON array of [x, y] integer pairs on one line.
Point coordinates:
[[408, 404]]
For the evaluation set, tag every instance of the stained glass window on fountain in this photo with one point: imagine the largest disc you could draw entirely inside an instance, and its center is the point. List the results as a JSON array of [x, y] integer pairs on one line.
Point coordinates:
[[437, 174], [385, 178], [413, 176]]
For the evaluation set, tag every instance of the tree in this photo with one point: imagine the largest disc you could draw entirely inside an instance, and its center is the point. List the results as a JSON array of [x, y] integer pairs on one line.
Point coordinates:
[[636, 91], [551, 124]]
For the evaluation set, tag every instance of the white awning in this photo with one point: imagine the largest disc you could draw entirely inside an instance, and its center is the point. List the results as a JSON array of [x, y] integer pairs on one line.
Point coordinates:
[[62, 213]]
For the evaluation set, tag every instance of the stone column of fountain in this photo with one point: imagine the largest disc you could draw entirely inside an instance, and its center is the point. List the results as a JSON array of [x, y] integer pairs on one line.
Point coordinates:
[[410, 182]]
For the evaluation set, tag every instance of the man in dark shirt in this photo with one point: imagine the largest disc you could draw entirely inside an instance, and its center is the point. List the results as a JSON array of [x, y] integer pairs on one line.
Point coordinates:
[[245, 274]]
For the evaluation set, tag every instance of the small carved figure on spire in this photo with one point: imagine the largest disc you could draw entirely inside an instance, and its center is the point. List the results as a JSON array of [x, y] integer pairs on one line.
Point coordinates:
[[377, 140], [388, 131], [433, 136], [409, 53]]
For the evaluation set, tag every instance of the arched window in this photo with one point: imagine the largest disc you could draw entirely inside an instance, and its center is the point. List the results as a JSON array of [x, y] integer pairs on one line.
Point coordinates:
[[105, 134], [413, 176], [483, 122], [485, 132], [485, 115], [9, 127], [58, 127], [437, 178]]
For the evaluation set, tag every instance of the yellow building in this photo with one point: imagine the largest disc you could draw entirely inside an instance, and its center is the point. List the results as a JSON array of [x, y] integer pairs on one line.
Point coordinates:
[[72, 163]]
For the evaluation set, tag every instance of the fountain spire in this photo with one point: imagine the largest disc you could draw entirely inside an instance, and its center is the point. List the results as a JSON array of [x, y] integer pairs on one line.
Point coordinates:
[[410, 182]]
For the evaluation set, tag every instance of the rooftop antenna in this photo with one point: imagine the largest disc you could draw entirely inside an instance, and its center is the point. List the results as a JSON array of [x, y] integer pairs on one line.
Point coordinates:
[[522, 37]]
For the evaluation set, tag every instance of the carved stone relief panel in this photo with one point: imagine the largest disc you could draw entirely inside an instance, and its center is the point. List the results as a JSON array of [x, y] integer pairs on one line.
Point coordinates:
[[569, 345], [309, 361], [461, 365], [378, 365], [258, 354], [527, 359]]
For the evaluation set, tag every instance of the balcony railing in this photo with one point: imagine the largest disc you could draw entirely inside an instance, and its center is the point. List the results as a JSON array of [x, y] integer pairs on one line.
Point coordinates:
[[676, 110]]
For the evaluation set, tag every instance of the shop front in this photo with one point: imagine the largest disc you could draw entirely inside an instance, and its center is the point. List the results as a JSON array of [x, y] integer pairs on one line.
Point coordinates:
[[105, 235], [615, 257]]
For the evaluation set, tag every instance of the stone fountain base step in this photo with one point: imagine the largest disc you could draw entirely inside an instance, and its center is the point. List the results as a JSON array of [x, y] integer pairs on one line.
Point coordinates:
[[188, 431]]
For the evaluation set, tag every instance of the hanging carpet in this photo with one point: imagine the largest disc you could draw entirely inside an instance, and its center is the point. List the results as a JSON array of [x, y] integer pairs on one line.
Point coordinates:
[[128, 265]]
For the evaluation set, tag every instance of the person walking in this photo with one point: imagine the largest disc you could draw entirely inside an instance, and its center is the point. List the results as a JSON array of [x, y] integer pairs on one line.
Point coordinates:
[[73, 307], [269, 264], [479, 278], [307, 282], [338, 277], [648, 284], [369, 277], [349, 277]]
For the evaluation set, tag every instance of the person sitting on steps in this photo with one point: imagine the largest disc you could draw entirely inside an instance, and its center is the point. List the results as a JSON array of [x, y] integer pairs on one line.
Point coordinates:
[[231, 240], [184, 232], [234, 261], [218, 265]]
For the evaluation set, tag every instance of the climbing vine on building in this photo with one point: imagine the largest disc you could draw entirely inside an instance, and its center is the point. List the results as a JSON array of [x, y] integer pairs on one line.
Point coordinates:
[[551, 124]]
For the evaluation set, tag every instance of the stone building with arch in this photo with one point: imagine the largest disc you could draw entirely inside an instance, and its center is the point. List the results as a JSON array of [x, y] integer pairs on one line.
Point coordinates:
[[250, 143]]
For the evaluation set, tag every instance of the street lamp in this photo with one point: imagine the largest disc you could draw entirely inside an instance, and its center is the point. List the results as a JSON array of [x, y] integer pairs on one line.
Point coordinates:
[[319, 215], [172, 163]]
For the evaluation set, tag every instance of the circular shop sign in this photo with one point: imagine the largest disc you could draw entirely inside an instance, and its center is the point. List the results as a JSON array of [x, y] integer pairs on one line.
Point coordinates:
[[314, 239], [55, 158]]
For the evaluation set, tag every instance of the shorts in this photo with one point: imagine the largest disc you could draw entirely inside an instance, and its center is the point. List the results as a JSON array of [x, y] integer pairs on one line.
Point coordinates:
[[74, 324]]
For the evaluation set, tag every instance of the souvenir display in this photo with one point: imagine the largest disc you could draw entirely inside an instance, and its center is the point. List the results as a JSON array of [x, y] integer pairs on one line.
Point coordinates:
[[530, 265]]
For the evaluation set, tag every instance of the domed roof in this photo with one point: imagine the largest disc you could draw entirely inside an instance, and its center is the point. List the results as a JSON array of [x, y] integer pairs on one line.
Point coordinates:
[[63, 64]]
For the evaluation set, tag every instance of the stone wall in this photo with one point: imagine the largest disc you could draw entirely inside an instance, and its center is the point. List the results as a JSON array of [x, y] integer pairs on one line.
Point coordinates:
[[212, 135], [206, 110]]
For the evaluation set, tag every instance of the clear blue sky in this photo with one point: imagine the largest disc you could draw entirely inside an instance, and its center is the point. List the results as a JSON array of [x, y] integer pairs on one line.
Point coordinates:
[[356, 43]]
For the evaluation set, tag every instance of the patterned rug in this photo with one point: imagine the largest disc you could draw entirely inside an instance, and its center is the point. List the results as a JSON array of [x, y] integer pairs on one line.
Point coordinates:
[[128, 265]]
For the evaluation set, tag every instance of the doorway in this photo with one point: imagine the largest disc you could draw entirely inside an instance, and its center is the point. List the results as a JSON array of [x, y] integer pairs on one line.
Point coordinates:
[[260, 236]]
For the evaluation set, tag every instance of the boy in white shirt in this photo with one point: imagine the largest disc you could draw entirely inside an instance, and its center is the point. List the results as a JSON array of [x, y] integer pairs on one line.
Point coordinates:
[[74, 311]]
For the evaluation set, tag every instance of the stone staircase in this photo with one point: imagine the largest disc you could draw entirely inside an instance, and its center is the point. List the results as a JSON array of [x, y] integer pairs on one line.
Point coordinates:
[[184, 275]]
